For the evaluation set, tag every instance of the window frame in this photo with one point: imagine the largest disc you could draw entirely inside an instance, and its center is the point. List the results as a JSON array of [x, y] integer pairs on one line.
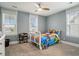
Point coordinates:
[[30, 24], [3, 17]]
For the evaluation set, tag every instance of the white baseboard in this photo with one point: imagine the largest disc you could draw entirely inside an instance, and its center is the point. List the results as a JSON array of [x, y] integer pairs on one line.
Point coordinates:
[[14, 42], [70, 43]]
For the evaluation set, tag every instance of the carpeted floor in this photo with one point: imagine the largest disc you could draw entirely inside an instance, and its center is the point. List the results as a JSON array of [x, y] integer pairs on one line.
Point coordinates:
[[27, 49]]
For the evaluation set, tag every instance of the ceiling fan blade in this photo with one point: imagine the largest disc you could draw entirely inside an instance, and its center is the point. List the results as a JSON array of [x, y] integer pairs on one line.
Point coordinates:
[[37, 5], [46, 9]]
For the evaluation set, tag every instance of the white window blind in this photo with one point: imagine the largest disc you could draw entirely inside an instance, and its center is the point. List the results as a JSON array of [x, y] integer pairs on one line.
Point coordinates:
[[72, 24], [9, 23], [33, 22]]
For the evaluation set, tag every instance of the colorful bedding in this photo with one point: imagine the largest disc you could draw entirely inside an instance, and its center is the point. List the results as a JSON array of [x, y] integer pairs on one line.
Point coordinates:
[[47, 39]]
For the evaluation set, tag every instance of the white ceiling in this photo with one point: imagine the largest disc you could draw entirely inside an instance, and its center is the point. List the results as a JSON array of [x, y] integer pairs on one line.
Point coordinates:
[[30, 7]]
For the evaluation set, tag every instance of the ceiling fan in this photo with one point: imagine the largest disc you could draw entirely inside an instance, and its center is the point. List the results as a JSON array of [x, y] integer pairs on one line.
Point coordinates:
[[40, 8]]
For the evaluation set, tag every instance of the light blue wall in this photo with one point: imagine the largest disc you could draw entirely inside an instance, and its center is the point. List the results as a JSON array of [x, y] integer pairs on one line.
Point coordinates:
[[23, 24], [57, 21], [0, 20], [11, 37], [68, 38], [42, 23]]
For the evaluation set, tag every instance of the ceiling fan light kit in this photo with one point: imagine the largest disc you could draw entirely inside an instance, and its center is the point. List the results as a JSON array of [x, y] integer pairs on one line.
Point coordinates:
[[39, 9]]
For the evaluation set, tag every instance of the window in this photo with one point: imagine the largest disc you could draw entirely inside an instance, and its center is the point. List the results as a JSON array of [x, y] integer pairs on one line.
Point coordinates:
[[72, 24], [9, 24], [33, 22]]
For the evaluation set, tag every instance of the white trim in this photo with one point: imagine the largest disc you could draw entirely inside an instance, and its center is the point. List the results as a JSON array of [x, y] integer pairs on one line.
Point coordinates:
[[14, 42], [16, 22], [70, 43]]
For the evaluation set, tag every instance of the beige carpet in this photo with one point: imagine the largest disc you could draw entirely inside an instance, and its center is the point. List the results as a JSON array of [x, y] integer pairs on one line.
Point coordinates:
[[28, 49]]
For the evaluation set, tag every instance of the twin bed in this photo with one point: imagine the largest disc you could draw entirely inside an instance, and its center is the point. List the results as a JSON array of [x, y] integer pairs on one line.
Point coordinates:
[[44, 40]]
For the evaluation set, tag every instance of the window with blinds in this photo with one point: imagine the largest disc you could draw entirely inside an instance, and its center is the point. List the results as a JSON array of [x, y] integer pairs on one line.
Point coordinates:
[[72, 24], [33, 22], [9, 24]]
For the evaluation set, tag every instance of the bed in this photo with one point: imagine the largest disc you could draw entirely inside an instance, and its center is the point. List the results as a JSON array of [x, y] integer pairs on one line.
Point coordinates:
[[44, 40]]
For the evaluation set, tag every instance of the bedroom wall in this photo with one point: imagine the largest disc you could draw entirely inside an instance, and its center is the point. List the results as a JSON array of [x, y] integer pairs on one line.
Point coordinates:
[[11, 37], [23, 24], [69, 38], [0, 20], [42, 23], [57, 21]]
